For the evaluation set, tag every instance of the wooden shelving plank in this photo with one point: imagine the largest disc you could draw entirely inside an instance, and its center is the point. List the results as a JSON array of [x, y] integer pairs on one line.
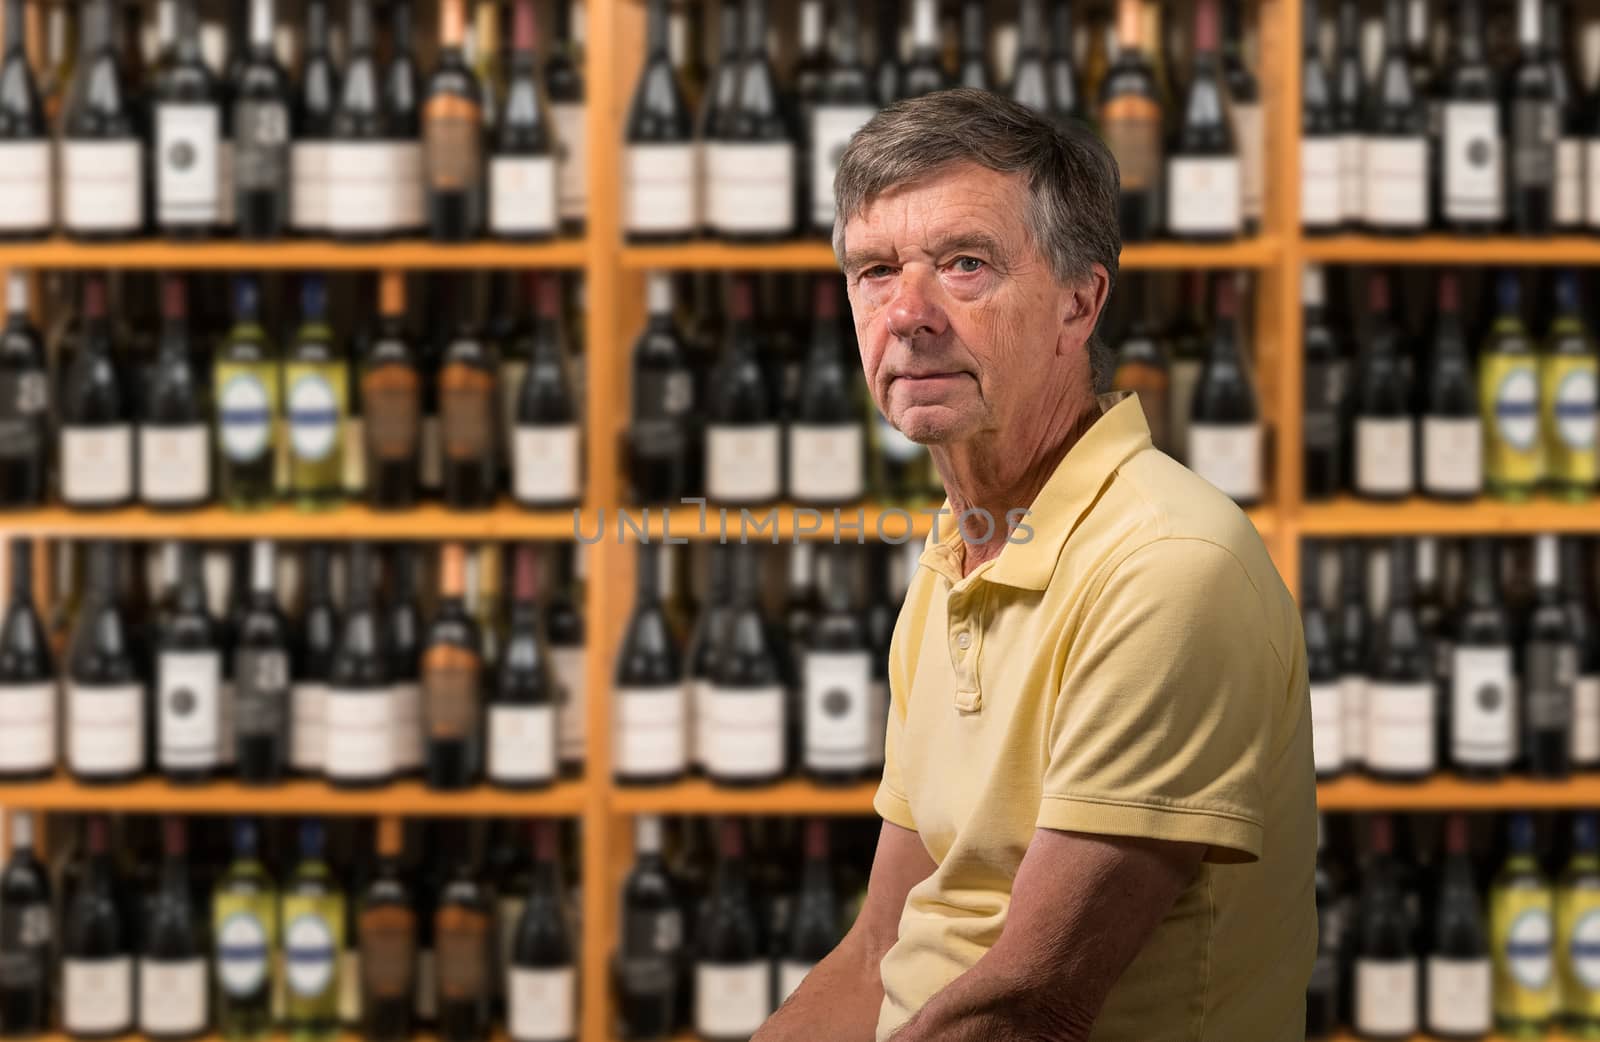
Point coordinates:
[[1354, 517], [699, 796], [299, 796], [1445, 792], [310, 254], [1452, 250], [1553, 1036], [816, 255], [426, 522]]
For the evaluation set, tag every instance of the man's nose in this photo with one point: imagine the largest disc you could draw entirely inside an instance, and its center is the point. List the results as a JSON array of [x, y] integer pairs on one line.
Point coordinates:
[[916, 310]]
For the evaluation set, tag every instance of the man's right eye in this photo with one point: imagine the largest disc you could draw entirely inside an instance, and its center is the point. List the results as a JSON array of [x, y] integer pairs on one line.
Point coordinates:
[[877, 271]]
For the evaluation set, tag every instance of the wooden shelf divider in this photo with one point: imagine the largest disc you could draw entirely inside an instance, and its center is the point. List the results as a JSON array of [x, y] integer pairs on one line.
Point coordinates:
[[289, 254]]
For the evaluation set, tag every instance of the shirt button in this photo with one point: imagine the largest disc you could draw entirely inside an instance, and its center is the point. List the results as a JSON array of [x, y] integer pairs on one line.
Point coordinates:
[[963, 640]]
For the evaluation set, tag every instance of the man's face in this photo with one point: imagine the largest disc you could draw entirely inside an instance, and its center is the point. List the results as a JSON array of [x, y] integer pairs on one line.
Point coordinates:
[[961, 323]]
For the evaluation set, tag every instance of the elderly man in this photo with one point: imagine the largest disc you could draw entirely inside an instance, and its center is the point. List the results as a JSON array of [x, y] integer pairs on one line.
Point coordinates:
[[1098, 800]]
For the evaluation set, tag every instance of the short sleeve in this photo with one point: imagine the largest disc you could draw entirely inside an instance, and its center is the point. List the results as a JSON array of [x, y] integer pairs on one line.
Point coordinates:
[[1164, 719], [890, 800]]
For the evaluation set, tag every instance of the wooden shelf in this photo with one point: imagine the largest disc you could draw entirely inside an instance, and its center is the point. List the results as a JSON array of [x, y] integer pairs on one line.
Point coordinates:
[[816, 255], [1354, 517], [426, 522], [1446, 792], [310, 254], [301, 796], [1453, 250], [699, 796], [1553, 1036]]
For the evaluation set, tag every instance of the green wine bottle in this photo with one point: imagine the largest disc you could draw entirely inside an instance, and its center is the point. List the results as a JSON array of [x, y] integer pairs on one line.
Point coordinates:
[[1508, 397], [1522, 928], [1569, 378], [1578, 930], [316, 400], [244, 918], [312, 913], [245, 388]]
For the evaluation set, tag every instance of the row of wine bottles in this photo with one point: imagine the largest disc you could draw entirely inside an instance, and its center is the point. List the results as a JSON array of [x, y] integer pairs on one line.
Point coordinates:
[[365, 152], [186, 945], [1391, 419], [1476, 667], [360, 696]]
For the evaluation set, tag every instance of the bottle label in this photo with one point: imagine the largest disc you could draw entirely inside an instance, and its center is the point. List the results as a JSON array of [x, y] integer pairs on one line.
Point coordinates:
[[546, 462], [1353, 176], [572, 726], [522, 195], [25, 186], [407, 177], [96, 464], [1474, 177], [835, 692], [1205, 195], [350, 986], [463, 959], [1384, 456], [648, 936], [659, 192], [105, 728], [1131, 126], [1386, 996], [1483, 721], [541, 1005], [262, 681], [466, 412], [1452, 455], [1327, 728], [314, 408], [652, 731], [25, 933], [1569, 392], [752, 187], [430, 456], [261, 146], [1249, 135], [1319, 182], [244, 416], [187, 692], [1578, 927], [308, 163], [1535, 125], [825, 462], [97, 995], [365, 191], [1459, 996], [568, 120], [831, 129], [27, 727], [1353, 694], [1396, 191], [311, 948], [24, 401], [878, 721], [731, 1001], [522, 743], [791, 973], [391, 404], [1400, 727], [744, 732], [174, 463], [172, 996], [360, 737], [452, 152], [1523, 932], [389, 962], [103, 185], [1552, 673], [742, 462], [227, 205], [1591, 164], [308, 726], [406, 698], [243, 949], [188, 188], [427, 1005], [1510, 386], [451, 677], [1586, 720], [1228, 456]]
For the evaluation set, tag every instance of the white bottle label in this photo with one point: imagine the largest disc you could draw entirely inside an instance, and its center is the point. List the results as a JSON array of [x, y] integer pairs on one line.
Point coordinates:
[[742, 463], [1574, 408], [825, 462], [1386, 996], [308, 195], [572, 717], [1592, 178], [27, 727], [1397, 182], [835, 691], [172, 996], [406, 698], [364, 191], [1204, 196], [360, 742], [1400, 727], [744, 732], [96, 464], [1516, 407], [831, 129], [174, 464], [752, 187], [1319, 182], [25, 186], [731, 1001], [522, 195], [308, 733], [1483, 706], [188, 732], [409, 194], [105, 728], [791, 975], [187, 184], [1586, 720], [573, 186], [1384, 463], [1327, 728], [314, 413], [310, 954], [103, 185], [1249, 136], [244, 418], [651, 736], [97, 995], [700, 716], [1460, 1000], [541, 1005], [1228, 456], [1452, 455], [546, 463], [1569, 182], [659, 190], [522, 743], [1353, 176], [1474, 172], [1353, 693]]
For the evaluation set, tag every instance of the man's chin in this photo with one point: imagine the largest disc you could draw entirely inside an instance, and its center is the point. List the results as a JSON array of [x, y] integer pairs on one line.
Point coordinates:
[[935, 424]]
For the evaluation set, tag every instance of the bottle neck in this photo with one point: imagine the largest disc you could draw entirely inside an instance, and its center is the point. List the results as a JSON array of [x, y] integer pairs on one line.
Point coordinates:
[[22, 571], [925, 26], [811, 31], [360, 28], [1030, 28], [1394, 27], [316, 27], [647, 589], [659, 31], [728, 28], [17, 296], [261, 25], [1528, 27], [973, 38], [188, 32], [402, 28], [21, 833], [16, 28], [1546, 563], [1469, 32], [1483, 582], [1311, 578], [755, 28], [1400, 580], [1311, 29]]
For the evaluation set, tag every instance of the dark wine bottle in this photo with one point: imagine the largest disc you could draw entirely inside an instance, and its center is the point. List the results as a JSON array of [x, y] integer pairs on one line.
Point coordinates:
[[173, 975], [751, 195], [522, 170], [244, 381], [843, 106], [1320, 203], [1354, 656], [1483, 694], [1203, 173], [827, 441], [24, 400], [261, 133], [174, 431], [716, 106], [189, 679], [1246, 116], [1225, 423], [1549, 670], [1570, 108], [359, 710], [1473, 199], [1396, 148], [1323, 993], [262, 676], [97, 968], [732, 983], [1386, 971], [391, 403], [386, 925], [464, 936], [365, 150], [1532, 128], [105, 704], [26, 188], [743, 435], [658, 434], [925, 72], [650, 950], [317, 637], [563, 83], [522, 717], [974, 69], [1322, 667], [747, 703], [888, 75], [1350, 113], [27, 932], [1066, 101], [546, 444], [102, 147], [403, 632], [541, 984], [468, 409], [314, 103], [452, 681], [96, 456], [836, 679], [1577, 587], [1385, 429], [1452, 434], [1401, 711], [1326, 388], [814, 926], [1131, 121], [401, 96], [1459, 978], [186, 137], [452, 122], [660, 189], [652, 728], [1030, 81], [27, 682]]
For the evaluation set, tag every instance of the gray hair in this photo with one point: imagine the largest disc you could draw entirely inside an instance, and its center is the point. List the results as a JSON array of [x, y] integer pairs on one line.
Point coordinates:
[[1073, 181]]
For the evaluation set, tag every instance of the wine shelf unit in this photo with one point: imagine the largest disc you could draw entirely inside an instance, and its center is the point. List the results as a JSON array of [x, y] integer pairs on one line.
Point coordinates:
[[793, 796], [429, 522], [1446, 250], [1446, 792], [289, 254], [1347, 516], [817, 255]]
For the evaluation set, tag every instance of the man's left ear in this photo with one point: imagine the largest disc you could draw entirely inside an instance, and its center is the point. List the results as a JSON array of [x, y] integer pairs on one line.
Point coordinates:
[[1081, 310]]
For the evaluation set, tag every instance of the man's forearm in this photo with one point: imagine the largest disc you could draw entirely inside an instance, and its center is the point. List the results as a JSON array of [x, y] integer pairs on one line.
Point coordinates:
[[839, 1000], [996, 1002]]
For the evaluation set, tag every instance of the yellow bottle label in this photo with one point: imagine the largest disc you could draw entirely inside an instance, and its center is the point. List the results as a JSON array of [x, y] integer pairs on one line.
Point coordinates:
[[1508, 394], [1569, 387], [1520, 921], [1578, 950]]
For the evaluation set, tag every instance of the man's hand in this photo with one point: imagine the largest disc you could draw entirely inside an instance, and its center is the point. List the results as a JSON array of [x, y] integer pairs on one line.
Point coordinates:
[[1082, 907], [840, 998]]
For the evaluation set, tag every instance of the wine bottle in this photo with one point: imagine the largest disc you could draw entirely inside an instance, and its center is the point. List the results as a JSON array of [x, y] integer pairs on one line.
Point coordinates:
[[401, 92], [1459, 975], [262, 675], [564, 622], [651, 741], [468, 409], [1452, 433], [1385, 976], [836, 678], [1508, 395], [452, 666], [1320, 203], [464, 934], [1350, 114], [716, 106], [452, 122], [746, 704], [1577, 898], [365, 189], [1400, 707], [189, 679], [96, 414], [1203, 172], [1474, 185], [1131, 122], [1396, 148], [26, 186], [522, 717], [105, 704], [102, 151], [1549, 670], [403, 633], [752, 196], [1030, 82], [173, 976], [563, 78], [484, 601], [1483, 693], [27, 686], [924, 73], [1520, 923], [1577, 589], [245, 386], [1326, 390], [27, 930], [311, 909], [844, 105], [244, 912], [1141, 366], [546, 456], [1323, 992], [1066, 103], [1385, 429], [174, 446], [888, 75], [814, 924], [659, 162], [187, 136], [1246, 117], [1225, 429], [387, 926], [743, 439], [827, 440], [663, 399], [541, 984], [732, 987], [1569, 384], [261, 133], [360, 711], [24, 400], [316, 402], [1532, 127], [522, 170], [391, 390], [312, 663], [973, 70], [97, 970], [1570, 142], [1353, 653], [650, 948], [1322, 667], [314, 104]]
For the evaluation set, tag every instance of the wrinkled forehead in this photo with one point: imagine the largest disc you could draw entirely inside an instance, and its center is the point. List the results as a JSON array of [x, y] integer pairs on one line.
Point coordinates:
[[962, 201]]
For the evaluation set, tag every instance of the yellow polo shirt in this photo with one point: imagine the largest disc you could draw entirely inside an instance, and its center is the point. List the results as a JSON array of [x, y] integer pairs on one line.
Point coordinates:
[[1135, 668]]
